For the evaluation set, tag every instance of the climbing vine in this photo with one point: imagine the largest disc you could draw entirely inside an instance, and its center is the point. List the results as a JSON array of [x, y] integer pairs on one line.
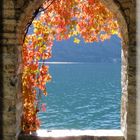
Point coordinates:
[[87, 19]]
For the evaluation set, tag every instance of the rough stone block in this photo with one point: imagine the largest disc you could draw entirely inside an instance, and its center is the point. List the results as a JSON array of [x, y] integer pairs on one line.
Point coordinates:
[[9, 105], [8, 28], [126, 4], [9, 137], [9, 13], [8, 4]]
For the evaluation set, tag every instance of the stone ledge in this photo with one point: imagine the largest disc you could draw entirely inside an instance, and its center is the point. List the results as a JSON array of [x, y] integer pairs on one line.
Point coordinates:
[[74, 135]]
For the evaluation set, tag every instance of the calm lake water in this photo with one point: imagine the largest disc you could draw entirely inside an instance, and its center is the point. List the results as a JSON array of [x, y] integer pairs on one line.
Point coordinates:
[[83, 96]]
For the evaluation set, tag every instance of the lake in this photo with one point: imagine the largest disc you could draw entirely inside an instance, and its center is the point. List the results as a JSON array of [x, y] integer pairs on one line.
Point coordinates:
[[83, 96]]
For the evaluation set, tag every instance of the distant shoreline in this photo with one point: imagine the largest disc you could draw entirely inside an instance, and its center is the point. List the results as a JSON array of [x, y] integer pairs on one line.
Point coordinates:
[[62, 62], [113, 62]]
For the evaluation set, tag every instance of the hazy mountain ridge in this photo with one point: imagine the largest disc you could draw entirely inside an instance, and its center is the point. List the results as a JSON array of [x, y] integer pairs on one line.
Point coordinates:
[[107, 51]]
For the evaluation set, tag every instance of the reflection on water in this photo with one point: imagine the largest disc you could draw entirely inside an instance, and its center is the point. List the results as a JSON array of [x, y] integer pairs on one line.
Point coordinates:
[[83, 96]]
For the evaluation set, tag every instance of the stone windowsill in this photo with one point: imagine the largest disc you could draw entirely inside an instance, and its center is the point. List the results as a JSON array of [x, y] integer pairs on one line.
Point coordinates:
[[74, 135]]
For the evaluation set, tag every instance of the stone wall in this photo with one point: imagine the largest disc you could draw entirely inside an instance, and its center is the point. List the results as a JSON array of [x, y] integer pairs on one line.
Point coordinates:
[[15, 15]]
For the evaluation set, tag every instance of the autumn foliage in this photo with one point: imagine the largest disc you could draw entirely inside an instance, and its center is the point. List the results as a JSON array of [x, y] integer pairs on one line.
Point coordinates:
[[63, 19]]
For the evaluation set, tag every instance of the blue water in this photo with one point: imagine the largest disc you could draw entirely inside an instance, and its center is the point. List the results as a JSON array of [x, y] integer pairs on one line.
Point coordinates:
[[83, 96]]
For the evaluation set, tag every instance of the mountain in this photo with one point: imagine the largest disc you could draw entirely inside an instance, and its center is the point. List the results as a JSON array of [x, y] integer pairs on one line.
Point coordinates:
[[67, 51]]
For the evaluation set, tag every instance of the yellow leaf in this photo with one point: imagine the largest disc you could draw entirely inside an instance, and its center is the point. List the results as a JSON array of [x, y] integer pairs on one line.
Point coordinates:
[[114, 32], [76, 40], [75, 33]]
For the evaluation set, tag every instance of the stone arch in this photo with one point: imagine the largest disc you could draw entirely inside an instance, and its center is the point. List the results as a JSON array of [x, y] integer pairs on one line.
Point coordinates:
[[114, 6], [28, 10]]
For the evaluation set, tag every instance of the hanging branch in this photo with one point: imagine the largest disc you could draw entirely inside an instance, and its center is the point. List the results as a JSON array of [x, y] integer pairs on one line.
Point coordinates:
[[47, 6], [30, 23], [34, 16]]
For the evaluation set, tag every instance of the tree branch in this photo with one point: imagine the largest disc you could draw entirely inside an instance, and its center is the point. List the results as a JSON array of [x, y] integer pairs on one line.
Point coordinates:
[[47, 6], [30, 23], [33, 17]]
